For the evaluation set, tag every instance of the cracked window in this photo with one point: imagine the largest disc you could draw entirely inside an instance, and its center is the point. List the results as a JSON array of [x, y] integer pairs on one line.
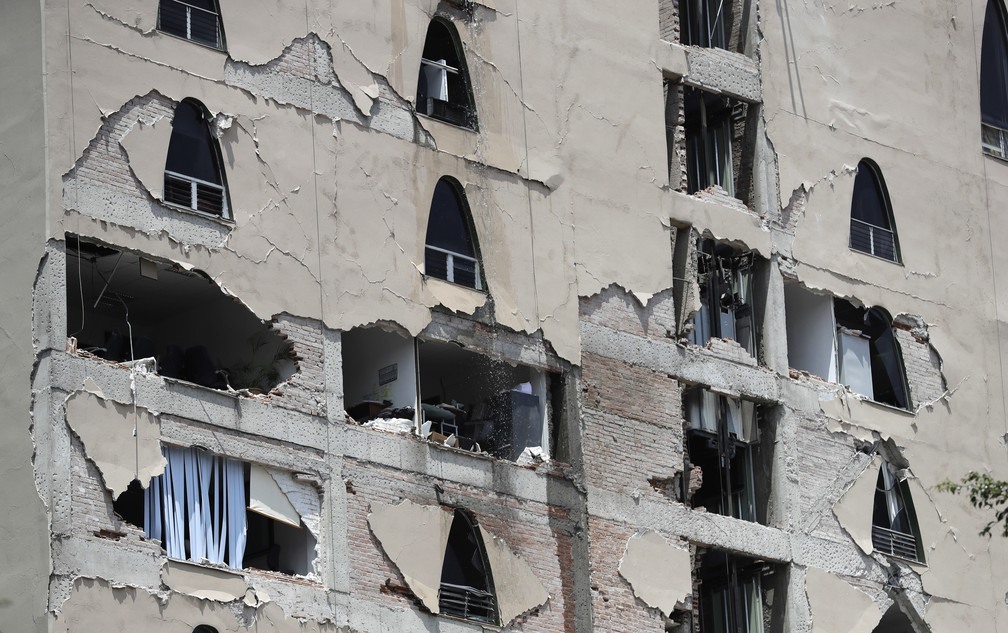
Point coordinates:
[[451, 252], [467, 589], [723, 456], [195, 20], [894, 522], [123, 307], [994, 81], [193, 176], [870, 361], [443, 88], [213, 509], [872, 229], [725, 277]]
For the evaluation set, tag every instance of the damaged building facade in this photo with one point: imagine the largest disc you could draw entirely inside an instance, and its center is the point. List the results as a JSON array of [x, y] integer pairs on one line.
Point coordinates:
[[405, 315]]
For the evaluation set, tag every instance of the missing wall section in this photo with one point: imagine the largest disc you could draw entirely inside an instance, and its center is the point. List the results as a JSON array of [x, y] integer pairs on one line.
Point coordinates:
[[464, 398], [124, 306], [725, 278], [737, 594]]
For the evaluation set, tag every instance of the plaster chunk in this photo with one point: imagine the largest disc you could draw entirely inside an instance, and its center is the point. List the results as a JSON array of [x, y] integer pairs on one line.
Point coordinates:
[[658, 572], [452, 296], [517, 588], [838, 607], [123, 441], [414, 537], [146, 146], [854, 509], [203, 582]]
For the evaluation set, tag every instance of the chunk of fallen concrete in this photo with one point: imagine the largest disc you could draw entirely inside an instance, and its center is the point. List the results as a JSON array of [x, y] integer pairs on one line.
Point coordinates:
[[658, 572]]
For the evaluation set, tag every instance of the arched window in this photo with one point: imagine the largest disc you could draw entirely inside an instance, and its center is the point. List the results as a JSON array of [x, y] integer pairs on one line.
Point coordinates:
[[451, 252], [203, 628], [443, 88], [872, 228], [193, 175], [994, 81], [467, 589], [870, 360], [894, 522], [196, 20]]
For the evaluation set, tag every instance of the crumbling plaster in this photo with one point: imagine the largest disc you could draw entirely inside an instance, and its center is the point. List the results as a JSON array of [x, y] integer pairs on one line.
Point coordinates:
[[659, 572]]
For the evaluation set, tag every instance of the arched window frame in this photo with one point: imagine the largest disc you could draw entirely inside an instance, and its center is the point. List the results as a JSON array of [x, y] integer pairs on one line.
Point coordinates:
[[869, 334], [872, 239], [190, 22], [458, 105], [994, 81], [892, 498], [453, 259], [194, 194], [470, 603]]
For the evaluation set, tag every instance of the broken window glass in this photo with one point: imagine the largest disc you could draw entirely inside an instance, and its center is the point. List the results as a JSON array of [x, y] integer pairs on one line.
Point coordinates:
[[214, 509], [443, 88], [709, 132], [994, 81], [872, 228], [703, 22], [894, 523], [123, 306], [725, 277], [467, 589], [193, 176], [722, 436], [869, 356], [450, 252], [731, 592], [196, 20]]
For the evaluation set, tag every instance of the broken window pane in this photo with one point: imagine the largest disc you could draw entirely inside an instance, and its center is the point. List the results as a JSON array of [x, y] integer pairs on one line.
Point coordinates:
[[443, 88], [467, 589], [122, 306], [894, 523], [450, 252], [723, 441], [869, 356], [725, 277], [872, 228]]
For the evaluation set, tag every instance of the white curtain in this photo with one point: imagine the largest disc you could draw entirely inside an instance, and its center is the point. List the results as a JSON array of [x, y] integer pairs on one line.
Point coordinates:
[[198, 505]]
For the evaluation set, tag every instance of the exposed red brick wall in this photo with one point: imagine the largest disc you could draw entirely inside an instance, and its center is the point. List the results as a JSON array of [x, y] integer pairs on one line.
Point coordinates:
[[614, 605]]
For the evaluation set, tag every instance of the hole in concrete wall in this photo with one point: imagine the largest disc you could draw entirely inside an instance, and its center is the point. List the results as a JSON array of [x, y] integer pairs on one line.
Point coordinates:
[[718, 141], [488, 405], [723, 441], [728, 309], [209, 508], [736, 593], [711, 23], [123, 306], [467, 588], [894, 621]]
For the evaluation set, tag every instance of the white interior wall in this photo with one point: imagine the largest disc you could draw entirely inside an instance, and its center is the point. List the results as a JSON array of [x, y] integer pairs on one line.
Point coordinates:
[[365, 351], [811, 332]]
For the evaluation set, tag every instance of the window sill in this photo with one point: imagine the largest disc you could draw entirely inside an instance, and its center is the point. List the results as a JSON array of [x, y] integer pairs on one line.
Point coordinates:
[[228, 222], [196, 42], [455, 126], [883, 259], [1000, 159]]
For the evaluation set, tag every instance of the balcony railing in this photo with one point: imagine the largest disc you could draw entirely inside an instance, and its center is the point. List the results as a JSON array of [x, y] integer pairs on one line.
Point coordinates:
[[872, 239], [454, 267], [994, 140], [193, 193], [192, 23], [893, 543], [467, 602]]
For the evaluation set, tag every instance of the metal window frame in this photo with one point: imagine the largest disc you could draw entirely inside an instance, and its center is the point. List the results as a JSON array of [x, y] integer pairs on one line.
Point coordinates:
[[450, 257], [219, 31], [193, 190]]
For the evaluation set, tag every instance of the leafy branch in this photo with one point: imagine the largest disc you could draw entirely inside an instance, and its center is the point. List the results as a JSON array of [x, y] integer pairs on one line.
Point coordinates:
[[985, 493]]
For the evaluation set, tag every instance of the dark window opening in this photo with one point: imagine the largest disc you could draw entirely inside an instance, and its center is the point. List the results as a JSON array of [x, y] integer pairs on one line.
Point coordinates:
[[994, 81], [873, 230], [195, 20], [443, 88], [465, 398], [705, 22], [203, 628], [122, 307], [451, 252], [723, 440], [725, 278], [894, 522], [193, 175], [894, 621], [710, 122], [870, 360], [736, 593], [213, 509], [467, 589]]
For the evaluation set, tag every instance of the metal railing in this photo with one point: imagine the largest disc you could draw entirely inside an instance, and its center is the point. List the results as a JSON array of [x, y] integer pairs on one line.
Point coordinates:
[[467, 602], [893, 543], [192, 23], [454, 267], [994, 140], [448, 110], [872, 239], [193, 193]]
